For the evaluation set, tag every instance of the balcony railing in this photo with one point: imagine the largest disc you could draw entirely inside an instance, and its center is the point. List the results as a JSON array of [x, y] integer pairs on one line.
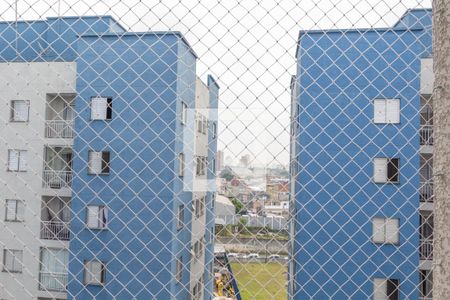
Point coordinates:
[[54, 230], [426, 135], [426, 249], [59, 129], [426, 192], [57, 179], [52, 281]]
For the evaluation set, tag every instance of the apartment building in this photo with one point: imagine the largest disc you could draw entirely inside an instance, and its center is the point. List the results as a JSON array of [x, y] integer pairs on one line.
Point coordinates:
[[100, 167], [361, 164]]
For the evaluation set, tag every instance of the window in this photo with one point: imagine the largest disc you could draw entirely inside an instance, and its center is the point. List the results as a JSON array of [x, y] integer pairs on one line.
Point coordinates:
[[14, 210], [386, 289], [94, 272], [99, 162], [53, 269], [180, 221], [17, 160], [426, 284], [97, 217], [214, 130], [183, 113], [386, 230], [386, 170], [12, 260], [386, 111], [199, 123], [198, 248], [181, 164], [20, 111], [205, 125], [199, 207], [101, 108], [179, 269], [197, 289]]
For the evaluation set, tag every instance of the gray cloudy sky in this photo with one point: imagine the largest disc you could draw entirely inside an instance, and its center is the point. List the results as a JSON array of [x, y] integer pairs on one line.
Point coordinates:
[[249, 46]]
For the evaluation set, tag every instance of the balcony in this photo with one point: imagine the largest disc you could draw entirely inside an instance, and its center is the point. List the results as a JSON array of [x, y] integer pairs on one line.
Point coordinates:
[[59, 129], [426, 249], [426, 135], [52, 281], [54, 179], [55, 230], [426, 193]]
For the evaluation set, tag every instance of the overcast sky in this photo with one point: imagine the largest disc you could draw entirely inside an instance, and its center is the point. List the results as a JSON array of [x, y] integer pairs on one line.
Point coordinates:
[[249, 46]]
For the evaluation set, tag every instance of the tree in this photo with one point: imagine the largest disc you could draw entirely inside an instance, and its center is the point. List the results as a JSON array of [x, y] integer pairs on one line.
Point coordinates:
[[227, 173], [238, 206]]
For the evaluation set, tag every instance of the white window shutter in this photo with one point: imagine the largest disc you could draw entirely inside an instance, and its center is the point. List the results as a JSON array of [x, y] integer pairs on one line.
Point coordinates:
[[11, 206], [378, 230], [98, 108], [9, 260], [13, 163], [22, 160], [20, 210], [379, 289], [379, 111], [392, 231], [95, 162], [92, 216], [380, 169], [393, 111]]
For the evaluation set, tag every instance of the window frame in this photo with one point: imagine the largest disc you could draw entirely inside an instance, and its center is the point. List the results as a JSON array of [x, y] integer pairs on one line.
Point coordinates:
[[180, 216], [388, 161], [101, 209], [16, 213], [183, 116], [105, 165], [20, 261], [102, 273], [181, 164], [387, 240], [108, 108], [20, 153], [389, 104], [13, 110], [179, 269]]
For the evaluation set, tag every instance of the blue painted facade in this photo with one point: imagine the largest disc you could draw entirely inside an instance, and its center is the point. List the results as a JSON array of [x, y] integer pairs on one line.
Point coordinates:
[[339, 74], [147, 75]]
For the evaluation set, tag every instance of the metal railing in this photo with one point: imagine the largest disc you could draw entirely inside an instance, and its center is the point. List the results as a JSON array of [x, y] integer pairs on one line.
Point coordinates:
[[54, 230], [426, 135], [425, 298], [53, 281], [426, 249], [426, 193], [59, 129], [57, 179]]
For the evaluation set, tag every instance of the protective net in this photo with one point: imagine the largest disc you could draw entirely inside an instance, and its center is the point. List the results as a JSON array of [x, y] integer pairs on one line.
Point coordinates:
[[216, 149]]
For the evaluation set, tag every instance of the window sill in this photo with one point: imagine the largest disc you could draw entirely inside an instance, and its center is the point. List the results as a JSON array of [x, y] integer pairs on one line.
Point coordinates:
[[15, 272], [97, 229]]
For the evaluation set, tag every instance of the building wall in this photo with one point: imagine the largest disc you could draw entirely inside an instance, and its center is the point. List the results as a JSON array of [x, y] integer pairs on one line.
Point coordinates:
[[27, 81], [339, 74], [137, 246]]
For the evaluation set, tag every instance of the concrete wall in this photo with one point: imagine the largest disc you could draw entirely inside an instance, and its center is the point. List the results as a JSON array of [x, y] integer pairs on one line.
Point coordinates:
[[335, 257], [27, 81]]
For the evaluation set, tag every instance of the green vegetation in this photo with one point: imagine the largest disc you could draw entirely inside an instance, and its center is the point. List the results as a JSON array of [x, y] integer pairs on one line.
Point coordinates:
[[261, 281], [238, 206]]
